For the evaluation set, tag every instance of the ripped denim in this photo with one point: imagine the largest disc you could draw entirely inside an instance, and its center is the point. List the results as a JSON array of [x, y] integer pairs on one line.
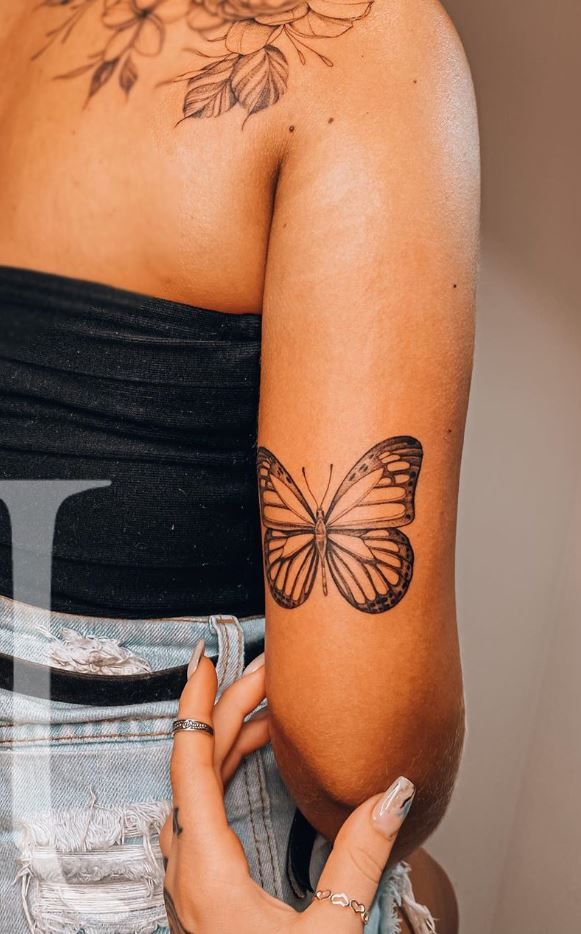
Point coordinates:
[[84, 791]]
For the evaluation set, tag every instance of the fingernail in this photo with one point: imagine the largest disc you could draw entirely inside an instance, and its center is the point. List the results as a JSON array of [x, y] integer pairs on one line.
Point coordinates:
[[254, 665], [196, 656], [390, 811]]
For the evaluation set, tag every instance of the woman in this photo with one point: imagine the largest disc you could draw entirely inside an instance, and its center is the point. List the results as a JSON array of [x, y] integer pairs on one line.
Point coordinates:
[[327, 217]]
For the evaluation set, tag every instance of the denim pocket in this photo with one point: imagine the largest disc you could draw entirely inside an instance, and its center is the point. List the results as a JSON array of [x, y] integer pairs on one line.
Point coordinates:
[[82, 803], [94, 868], [85, 790]]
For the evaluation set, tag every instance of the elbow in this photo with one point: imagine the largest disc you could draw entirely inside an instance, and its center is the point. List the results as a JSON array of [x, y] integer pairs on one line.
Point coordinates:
[[328, 780], [433, 769]]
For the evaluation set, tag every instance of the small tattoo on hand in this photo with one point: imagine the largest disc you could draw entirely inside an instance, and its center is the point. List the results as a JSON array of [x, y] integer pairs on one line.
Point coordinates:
[[174, 921], [177, 829]]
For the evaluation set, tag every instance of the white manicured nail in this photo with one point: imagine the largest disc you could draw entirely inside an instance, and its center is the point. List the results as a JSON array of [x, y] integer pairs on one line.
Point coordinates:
[[196, 656], [390, 811]]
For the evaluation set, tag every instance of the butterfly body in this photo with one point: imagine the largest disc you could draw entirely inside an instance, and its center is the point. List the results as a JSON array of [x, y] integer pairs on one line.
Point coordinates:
[[321, 540], [357, 538]]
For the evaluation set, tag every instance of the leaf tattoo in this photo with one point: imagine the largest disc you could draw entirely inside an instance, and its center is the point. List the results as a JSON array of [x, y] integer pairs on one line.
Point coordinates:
[[356, 538], [210, 92], [259, 80], [242, 38], [128, 75], [101, 76]]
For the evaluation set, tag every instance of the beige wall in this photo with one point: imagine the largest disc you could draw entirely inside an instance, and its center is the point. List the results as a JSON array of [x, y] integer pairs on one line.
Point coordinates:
[[542, 889], [511, 839]]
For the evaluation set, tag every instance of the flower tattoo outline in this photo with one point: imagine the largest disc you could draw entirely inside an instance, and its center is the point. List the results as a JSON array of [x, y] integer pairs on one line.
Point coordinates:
[[240, 39]]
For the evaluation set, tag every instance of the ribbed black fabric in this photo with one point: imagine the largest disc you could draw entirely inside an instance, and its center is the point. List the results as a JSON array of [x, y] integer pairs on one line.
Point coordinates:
[[158, 397]]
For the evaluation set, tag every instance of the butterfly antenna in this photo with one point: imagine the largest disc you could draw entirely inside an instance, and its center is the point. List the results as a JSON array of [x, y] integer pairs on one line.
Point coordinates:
[[309, 489], [328, 483]]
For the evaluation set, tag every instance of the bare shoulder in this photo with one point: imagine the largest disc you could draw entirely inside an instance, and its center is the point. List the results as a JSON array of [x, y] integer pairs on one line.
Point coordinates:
[[369, 59], [388, 118], [417, 35]]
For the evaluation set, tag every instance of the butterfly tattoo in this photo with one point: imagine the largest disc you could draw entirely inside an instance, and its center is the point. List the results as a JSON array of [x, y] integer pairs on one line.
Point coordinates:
[[356, 538]]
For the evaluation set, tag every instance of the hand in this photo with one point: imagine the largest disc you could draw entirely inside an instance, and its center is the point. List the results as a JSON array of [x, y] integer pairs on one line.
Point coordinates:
[[208, 887]]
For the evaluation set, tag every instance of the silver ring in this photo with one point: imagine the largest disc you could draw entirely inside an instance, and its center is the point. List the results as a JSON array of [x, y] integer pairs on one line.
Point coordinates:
[[191, 726], [342, 900]]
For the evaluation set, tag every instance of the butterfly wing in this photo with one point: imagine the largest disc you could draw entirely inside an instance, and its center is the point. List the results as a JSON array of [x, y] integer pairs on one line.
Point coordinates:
[[291, 562], [372, 569], [291, 557], [378, 492], [370, 561]]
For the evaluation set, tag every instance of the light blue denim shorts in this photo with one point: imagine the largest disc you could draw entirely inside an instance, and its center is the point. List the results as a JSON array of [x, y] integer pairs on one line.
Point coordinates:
[[85, 790]]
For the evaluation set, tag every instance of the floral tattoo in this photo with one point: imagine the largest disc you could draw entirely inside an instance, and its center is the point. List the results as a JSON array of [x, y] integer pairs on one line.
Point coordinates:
[[246, 43]]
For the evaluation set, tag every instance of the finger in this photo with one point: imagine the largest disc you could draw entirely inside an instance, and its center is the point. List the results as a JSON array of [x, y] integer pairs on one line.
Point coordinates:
[[196, 749], [254, 735], [237, 701], [201, 834], [362, 848], [194, 783]]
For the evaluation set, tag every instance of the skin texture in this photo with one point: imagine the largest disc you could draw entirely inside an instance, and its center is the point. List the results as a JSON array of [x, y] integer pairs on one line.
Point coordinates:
[[347, 213]]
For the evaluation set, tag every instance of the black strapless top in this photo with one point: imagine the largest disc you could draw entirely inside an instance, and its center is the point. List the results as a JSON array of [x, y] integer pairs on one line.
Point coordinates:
[[161, 398]]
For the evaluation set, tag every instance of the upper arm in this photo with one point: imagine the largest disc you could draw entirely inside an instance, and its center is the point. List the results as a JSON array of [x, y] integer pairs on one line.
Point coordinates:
[[367, 336]]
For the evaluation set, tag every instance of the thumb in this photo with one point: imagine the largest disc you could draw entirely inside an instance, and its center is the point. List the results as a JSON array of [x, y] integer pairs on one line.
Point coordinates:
[[362, 849]]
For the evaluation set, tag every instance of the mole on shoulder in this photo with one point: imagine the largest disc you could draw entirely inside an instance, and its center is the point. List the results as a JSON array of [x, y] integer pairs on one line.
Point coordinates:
[[331, 120], [291, 129]]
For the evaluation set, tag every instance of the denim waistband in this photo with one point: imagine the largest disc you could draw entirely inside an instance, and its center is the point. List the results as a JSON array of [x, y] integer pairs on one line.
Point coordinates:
[[101, 669], [112, 647]]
